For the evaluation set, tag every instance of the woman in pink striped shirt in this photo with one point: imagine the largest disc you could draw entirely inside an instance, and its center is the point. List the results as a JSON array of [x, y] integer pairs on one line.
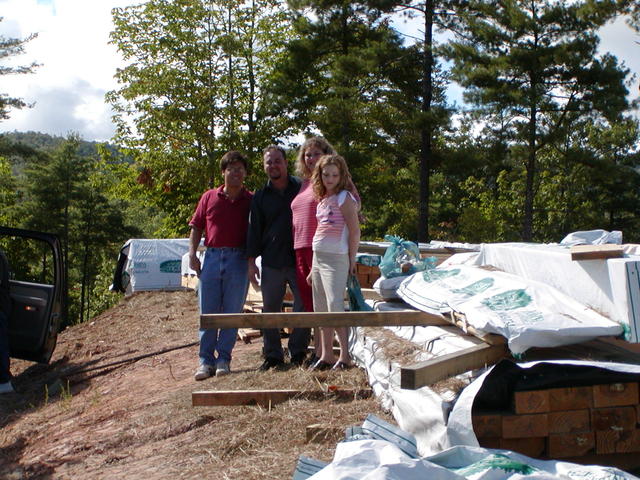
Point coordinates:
[[303, 209]]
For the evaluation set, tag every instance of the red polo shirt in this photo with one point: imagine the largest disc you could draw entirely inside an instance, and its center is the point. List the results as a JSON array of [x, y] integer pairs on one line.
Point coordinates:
[[223, 221]]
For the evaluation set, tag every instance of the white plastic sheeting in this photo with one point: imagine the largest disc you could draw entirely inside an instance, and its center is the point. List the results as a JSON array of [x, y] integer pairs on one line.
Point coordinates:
[[387, 287], [154, 264], [593, 237], [527, 313], [607, 286], [380, 451], [420, 412]]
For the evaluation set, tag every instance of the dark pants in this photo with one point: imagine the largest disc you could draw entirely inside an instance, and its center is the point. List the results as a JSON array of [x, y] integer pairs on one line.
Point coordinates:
[[5, 376], [273, 285]]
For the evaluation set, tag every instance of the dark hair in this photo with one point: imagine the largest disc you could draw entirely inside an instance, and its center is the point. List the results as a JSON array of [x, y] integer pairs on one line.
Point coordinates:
[[275, 147], [233, 156], [319, 189], [321, 144]]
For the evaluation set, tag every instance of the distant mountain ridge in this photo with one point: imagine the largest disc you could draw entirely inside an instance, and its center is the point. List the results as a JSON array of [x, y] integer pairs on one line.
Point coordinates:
[[45, 142]]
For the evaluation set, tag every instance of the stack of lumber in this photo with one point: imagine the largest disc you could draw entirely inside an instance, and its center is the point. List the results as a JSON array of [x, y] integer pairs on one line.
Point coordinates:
[[561, 423], [367, 275]]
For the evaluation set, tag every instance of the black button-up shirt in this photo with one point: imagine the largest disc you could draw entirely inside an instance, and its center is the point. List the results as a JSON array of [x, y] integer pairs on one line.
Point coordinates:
[[270, 232]]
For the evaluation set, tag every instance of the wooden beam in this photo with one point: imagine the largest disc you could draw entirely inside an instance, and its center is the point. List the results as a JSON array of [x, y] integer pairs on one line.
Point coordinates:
[[219, 398], [596, 252], [266, 398], [445, 366], [460, 321], [320, 319]]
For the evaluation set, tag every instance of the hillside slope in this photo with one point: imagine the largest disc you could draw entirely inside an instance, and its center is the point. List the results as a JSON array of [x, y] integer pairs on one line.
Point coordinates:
[[115, 402]]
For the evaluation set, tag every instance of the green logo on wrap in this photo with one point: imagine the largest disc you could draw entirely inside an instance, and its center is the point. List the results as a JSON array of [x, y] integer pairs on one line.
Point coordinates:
[[476, 287], [496, 462], [171, 266], [435, 275], [509, 300]]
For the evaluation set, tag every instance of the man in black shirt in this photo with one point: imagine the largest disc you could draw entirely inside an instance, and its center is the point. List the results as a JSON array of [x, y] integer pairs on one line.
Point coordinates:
[[5, 310], [270, 236]]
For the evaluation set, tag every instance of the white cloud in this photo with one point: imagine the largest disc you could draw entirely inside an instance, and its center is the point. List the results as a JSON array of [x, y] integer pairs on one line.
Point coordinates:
[[77, 65]]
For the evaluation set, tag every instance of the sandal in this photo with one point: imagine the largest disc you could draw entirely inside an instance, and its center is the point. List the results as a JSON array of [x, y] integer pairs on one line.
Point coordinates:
[[342, 366], [320, 365]]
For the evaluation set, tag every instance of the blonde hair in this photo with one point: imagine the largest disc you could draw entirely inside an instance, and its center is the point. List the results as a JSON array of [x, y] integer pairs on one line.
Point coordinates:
[[321, 144], [319, 189]]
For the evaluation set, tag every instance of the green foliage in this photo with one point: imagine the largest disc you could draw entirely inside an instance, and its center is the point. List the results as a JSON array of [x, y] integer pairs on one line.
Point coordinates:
[[10, 47], [536, 62], [192, 90], [68, 196], [8, 194]]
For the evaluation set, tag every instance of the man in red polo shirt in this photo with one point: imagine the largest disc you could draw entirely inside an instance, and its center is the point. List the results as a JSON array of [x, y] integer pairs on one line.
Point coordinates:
[[222, 215]]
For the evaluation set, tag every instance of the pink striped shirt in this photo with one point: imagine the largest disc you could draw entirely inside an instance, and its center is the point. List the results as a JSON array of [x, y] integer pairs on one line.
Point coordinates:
[[332, 234], [303, 209]]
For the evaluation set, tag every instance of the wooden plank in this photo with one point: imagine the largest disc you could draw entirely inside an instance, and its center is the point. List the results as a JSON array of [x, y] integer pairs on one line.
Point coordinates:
[[246, 334], [606, 441], [533, 401], [629, 441], [445, 366], [613, 418], [570, 398], [615, 394], [487, 425], [596, 252], [570, 444], [266, 398], [460, 321], [525, 426], [219, 398], [320, 319], [570, 421]]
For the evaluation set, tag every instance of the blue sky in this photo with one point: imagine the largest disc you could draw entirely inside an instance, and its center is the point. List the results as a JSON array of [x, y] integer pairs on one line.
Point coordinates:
[[78, 64]]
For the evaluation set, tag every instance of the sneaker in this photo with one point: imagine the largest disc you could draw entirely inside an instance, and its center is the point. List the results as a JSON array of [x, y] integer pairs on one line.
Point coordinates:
[[204, 371], [271, 363], [6, 388], [222, 368], [298, 359]]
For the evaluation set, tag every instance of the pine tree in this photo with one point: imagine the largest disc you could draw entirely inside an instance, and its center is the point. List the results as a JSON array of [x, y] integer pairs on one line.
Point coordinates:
[[8, 48], [536, 62]]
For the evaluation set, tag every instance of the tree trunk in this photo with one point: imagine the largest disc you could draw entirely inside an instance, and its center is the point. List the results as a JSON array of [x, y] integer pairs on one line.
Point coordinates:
[[426, 130], [527, 222]]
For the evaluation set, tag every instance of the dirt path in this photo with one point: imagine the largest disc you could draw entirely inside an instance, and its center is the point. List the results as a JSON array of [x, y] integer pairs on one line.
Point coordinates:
[[105, 408]]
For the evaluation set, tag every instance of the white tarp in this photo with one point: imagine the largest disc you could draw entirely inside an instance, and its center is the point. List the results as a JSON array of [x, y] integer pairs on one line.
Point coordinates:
[[607, 286], [527, 313], [154, 264], [380, 451], [593, 237]]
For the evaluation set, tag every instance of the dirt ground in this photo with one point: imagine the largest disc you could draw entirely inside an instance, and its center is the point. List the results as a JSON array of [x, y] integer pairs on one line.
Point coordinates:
[[115, 402]]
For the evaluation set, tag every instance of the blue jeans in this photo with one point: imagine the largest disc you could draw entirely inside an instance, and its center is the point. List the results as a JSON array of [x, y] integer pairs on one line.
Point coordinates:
[[4, 348], [224, 281]]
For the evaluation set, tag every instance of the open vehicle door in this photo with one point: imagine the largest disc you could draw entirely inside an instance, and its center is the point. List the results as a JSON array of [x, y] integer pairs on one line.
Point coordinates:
[[37, 286]]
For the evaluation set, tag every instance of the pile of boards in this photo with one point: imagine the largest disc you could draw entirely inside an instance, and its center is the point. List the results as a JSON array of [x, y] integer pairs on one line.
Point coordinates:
[[566, 422]]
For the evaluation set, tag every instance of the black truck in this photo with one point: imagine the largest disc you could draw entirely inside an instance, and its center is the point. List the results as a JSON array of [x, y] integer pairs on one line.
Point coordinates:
[[38, 291]]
